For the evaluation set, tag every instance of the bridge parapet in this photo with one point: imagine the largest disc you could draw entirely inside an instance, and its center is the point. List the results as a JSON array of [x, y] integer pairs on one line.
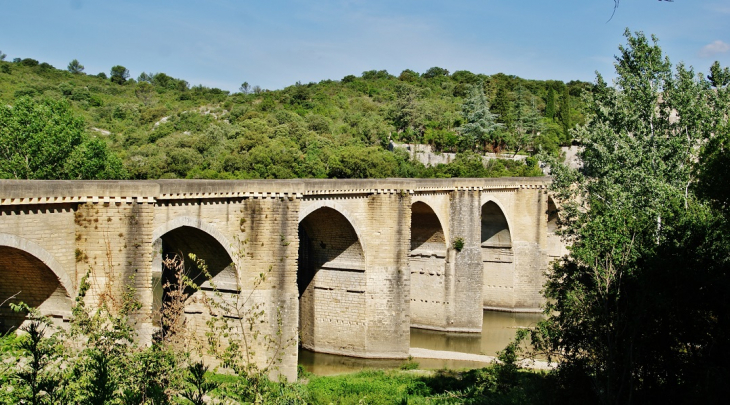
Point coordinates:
[[31, 192]]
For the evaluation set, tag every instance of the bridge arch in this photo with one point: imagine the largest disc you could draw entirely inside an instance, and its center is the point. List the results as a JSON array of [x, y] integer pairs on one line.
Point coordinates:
[[426, 228], [180, 237], [332, 283], [555, 245], [496, 225], [352, 219], [43, 255], [427, 267], [439, 208], [498, 264], [194, 223], [36, 276]]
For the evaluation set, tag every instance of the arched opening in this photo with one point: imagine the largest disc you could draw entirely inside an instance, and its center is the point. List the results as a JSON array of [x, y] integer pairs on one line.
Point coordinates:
[[427, 263], [27, 279], [332, 284], [495, 230], [497, 257], [427, 234], [181, 242], [555, 246]]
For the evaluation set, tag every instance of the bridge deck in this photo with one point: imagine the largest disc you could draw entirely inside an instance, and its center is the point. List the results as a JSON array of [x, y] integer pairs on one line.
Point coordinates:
[[20, 192]]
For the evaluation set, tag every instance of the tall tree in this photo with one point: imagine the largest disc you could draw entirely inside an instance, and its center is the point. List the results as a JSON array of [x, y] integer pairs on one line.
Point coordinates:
[[550, 103], [718, 76], [564, 114], [633, 309], [119, 74], [75, 67], [480, 122], [526, 120], [502, 106], [245, 88]]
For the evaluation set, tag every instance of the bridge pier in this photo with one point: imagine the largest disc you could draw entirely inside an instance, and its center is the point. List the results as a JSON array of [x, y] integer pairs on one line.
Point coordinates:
[[465, 267], [388, 291]]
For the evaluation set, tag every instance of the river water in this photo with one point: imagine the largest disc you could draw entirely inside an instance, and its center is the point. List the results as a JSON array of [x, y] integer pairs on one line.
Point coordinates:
[[498, 329]]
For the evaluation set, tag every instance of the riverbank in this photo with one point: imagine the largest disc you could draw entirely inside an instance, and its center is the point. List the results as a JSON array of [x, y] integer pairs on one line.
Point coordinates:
[[420, 353]]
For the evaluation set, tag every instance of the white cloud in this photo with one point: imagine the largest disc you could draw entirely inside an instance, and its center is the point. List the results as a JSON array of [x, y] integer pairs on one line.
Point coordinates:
[[718, 8], [713, 49]]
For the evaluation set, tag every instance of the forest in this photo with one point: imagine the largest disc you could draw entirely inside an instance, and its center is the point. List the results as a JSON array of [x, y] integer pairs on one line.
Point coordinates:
[[157, 126]]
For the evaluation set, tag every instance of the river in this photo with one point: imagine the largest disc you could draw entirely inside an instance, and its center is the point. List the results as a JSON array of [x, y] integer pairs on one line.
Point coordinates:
[[498, 329]]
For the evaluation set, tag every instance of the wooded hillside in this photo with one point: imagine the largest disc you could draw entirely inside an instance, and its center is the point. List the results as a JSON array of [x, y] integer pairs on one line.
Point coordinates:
[[162, 127]]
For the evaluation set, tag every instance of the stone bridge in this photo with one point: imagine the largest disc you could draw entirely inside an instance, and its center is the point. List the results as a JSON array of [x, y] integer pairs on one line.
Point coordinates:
[[349, 266]]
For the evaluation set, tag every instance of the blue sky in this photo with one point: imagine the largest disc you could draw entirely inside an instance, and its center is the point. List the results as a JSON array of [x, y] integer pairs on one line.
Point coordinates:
[[273, 44]]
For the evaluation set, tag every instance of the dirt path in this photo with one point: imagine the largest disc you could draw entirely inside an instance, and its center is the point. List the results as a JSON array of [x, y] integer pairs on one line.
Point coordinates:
[[417, 352]]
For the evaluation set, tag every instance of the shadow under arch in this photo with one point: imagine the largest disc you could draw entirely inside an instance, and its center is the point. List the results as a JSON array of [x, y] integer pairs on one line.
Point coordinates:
[[336, 207], [555, 246], [427, 231], [181, 237], [198, 224], [332, 284], [497, 257], [31, 275], [427, 268], [495, 227], [443, 217]]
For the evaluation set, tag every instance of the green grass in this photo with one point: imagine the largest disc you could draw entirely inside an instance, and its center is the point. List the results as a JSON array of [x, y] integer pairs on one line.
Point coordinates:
[[424, 387], [480, 386]]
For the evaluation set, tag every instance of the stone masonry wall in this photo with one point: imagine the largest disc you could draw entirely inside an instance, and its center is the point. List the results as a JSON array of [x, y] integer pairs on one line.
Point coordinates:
[[530, 249], [260, 237], [115, 230], [387, 243], [333, 283], [466, 271], [113, 246]]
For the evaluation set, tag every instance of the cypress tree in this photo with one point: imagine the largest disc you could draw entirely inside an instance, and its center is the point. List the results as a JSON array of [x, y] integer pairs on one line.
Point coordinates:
[[501, 107], [565, 115], [550, 104]]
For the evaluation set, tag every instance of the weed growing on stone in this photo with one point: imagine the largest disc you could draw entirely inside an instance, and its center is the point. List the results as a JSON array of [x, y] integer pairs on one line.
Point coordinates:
[[458, 243]]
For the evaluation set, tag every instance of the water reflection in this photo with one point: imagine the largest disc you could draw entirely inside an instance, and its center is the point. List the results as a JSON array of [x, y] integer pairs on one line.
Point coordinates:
[[498, 329]]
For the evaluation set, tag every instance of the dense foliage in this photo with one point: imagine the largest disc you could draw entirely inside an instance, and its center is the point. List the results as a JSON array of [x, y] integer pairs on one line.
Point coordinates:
[[638, 311], [161, 127], [44, 140]]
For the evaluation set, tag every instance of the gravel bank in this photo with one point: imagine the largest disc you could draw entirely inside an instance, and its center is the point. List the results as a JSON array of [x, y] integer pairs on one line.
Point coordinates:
[[417, 352]]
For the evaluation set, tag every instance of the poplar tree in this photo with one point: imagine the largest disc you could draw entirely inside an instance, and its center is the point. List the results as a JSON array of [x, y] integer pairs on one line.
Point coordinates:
[[635, 311]]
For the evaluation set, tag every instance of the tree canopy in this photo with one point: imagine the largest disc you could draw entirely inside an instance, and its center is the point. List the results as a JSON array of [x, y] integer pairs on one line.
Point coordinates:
[[75, 67], [44, 140], [119, 74], [636, 311], [480, 123]]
